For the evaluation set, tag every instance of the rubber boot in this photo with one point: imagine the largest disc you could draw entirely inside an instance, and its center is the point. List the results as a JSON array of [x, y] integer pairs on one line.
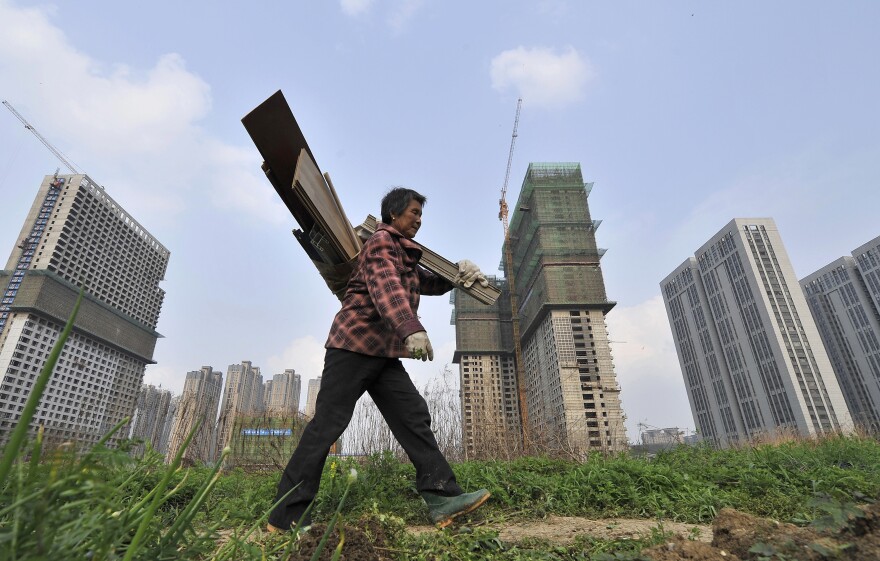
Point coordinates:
[[444, 510]]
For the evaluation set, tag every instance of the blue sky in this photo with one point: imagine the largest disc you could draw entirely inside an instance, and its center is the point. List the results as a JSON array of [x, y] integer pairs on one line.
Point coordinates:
[[684, 114]]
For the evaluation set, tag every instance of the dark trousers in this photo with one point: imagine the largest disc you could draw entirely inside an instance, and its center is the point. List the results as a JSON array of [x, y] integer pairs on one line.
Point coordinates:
[[346, 377]]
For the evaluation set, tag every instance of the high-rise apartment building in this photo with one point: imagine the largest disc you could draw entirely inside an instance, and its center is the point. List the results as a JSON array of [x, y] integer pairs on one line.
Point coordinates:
[[243, 395], [571, 392], [752, 360], [312, 396], [197, 405], [75, 234], [282, 393], [150, 414], [844, 298]]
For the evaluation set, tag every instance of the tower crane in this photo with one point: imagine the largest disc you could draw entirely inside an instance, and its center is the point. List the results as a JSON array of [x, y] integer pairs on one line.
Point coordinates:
[[514, 303], [45, 142]]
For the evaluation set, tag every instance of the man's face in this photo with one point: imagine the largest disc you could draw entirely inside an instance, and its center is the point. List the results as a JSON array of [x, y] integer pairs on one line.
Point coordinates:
[[410, 221]]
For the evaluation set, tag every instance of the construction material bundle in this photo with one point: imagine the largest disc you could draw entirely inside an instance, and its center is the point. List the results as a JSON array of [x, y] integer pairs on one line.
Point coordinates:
[[325, 232]]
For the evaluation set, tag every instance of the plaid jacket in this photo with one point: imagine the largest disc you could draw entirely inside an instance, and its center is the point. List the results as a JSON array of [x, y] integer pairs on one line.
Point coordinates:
[[380, 307]]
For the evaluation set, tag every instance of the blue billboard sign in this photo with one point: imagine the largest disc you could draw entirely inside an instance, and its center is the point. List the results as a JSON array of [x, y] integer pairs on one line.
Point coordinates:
[[266, 432]]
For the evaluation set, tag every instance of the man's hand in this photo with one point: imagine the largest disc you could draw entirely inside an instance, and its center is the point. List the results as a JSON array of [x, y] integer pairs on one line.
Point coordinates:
[[468, 273], [419, 346]]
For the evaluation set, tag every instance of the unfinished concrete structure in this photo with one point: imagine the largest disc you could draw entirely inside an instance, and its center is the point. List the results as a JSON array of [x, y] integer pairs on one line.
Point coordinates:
[[753, 363], [77, 234], [485, 355], [844, 298], [571, 394]]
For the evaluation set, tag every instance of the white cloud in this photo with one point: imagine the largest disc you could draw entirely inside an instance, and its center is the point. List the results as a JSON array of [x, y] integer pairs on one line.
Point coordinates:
[[234, 186], [652, 388], [542, 76], [305, 355], [355, 7], [140, 126]]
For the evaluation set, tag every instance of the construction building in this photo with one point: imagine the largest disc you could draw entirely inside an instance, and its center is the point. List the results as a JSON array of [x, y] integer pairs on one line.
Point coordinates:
[[149, 419], [844, 298], [571, 396], [485, 354], [197, 405], [76, 235], [753, 363]]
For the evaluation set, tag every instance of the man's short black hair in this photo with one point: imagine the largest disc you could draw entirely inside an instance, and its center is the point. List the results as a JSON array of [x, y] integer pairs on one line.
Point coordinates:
[[397, 199]]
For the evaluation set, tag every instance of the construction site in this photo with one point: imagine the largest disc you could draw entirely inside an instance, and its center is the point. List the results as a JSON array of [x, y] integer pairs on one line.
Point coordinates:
[[537, 373]]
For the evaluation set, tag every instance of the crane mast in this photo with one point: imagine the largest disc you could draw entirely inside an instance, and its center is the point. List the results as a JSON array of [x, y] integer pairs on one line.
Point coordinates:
[[45, 142], [514, 303]]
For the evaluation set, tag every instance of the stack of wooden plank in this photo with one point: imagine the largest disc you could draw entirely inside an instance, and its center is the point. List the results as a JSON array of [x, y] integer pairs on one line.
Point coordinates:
[[325, 232]]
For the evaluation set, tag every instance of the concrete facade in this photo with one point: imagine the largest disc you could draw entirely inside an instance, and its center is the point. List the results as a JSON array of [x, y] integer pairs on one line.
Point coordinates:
[[149, 419], [197, 405], [751, 356], [242, 395], [312, 396], [282, 393], [487, 374], [76, 234], [843, 298]]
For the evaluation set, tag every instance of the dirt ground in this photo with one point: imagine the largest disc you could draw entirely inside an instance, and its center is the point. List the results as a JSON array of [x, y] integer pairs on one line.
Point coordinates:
[[562, 530], [851, 534]]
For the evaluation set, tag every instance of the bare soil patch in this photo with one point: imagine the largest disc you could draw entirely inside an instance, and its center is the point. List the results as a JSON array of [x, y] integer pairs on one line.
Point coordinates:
[[733, 536], [562, 530], [741, 536]]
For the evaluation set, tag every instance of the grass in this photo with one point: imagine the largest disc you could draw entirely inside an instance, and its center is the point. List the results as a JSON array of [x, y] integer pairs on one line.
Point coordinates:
[[107, 505], [687, 484], [103, 504]]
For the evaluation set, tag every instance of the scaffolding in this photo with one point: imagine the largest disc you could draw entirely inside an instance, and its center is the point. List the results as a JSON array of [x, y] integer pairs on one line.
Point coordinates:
[[491, 424], [570, 382], [28, 247], [482, 328], [553, 239]]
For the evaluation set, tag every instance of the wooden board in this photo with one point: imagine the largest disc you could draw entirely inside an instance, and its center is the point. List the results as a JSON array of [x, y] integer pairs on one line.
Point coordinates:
[[276, 134], [310, 181]]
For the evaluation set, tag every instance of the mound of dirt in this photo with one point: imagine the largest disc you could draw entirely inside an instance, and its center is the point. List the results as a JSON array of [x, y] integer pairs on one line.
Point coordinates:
[[355, 546], [741, 536], [359, 542]]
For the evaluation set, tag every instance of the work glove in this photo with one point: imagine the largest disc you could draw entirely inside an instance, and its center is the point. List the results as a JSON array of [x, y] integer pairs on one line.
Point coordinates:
[[468, 273], [419, 346]]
